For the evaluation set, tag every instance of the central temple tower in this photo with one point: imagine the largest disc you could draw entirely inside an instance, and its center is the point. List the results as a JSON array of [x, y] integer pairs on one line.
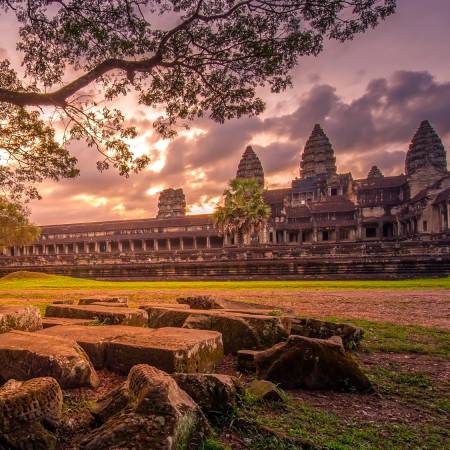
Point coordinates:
[[250, 166], [318, 156]]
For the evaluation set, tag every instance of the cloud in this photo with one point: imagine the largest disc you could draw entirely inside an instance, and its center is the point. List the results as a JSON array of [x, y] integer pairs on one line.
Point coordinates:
[[374, 128]]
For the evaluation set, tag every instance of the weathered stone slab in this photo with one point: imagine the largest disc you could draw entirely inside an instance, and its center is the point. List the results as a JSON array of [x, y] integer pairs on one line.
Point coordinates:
[[24, 407], [151, 304], [22, 318], [351, 336], [102, 299], [310, 363], [104, 315], [48, 322], [208, 302], [26, 355], [246, 360], [263, 390], [239, 330], [152, 413], [110, 304], [215, 394], [119, 347]]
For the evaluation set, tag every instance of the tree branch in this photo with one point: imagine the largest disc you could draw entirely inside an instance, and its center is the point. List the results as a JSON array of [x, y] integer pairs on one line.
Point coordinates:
[[59, 97]]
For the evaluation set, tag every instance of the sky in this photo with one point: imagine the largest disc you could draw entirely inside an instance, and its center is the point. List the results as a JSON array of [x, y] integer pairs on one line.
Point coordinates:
[[369, 95]]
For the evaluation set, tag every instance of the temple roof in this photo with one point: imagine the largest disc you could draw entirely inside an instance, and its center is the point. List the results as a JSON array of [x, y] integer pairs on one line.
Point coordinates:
[[442, 196], [275, 195], [201, 219], [333, 204], [298, 212], [426, 149], [381, 182], [250, 166], [318, 156]]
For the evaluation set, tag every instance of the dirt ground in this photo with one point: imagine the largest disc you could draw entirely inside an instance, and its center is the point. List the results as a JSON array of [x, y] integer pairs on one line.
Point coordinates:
[[401, 306]]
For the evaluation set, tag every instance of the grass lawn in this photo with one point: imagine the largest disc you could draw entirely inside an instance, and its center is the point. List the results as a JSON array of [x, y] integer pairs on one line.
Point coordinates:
[[20, 281]]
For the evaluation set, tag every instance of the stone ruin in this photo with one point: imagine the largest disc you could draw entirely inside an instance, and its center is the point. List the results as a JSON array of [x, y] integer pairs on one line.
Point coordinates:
[[171, 203], [169, 353]]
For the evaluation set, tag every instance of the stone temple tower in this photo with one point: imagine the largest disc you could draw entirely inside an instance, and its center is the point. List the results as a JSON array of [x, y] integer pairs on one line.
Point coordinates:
[[250, 166], [375, 172], [171, 203], [318, 156], [426, 159]]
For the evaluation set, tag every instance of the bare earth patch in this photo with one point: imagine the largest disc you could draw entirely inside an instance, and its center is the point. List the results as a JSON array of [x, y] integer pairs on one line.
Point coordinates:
[[401, 306]]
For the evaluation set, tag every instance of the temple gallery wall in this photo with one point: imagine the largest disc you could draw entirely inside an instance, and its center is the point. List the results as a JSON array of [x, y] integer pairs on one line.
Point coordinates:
[[395, 223]]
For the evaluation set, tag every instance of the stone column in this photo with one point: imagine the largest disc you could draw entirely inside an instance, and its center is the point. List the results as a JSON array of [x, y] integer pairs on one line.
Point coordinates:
[[169, 247], [155, 245], [285, 237], [120, 246], [448, 215], [181, 243], [314, 234], [208, 242], [131, 241], [195, 242]]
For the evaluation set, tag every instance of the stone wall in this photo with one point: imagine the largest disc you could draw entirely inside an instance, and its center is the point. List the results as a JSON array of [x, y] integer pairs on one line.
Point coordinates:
[[378, 259]]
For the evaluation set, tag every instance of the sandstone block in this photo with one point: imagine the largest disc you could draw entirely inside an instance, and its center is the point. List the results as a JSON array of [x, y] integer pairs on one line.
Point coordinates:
[[48, 322], [119, 347], [102, 299], [110, 304], [208, 302], [310, 363], [239, 330], [351, 336], [263, 390], [105, 315], [35, 400], [26, 355], [22, 318], [215, 394], [157, 415], [246, 360]]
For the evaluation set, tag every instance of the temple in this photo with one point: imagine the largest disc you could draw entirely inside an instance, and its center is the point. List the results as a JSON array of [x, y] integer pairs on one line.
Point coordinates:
[[322, 214]]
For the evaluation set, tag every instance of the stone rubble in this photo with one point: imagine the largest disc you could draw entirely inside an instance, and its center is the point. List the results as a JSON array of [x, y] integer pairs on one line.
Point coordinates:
[[311, 363], [29, 412], [152, 413]]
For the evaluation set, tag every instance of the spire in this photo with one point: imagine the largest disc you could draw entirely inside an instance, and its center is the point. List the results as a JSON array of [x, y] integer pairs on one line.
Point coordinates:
[[375, 172], [426, 150], [318, 156], [250, 166], [171, 203]]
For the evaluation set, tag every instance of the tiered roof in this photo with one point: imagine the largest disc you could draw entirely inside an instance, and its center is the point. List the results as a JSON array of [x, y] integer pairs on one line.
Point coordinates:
[[318, 156], [426, 149], [250, 166]]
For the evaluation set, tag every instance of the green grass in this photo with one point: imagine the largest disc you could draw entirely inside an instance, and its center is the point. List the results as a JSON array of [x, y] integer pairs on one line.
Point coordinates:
[[393, 338], [328, 430], [62, 282]]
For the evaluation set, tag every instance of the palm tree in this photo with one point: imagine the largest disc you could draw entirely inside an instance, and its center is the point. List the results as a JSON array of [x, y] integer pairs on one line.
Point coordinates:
[[243, 212]]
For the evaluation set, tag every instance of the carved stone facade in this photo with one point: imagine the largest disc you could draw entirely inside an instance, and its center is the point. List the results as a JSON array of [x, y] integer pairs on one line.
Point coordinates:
[[322, 209], [171, 203]]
